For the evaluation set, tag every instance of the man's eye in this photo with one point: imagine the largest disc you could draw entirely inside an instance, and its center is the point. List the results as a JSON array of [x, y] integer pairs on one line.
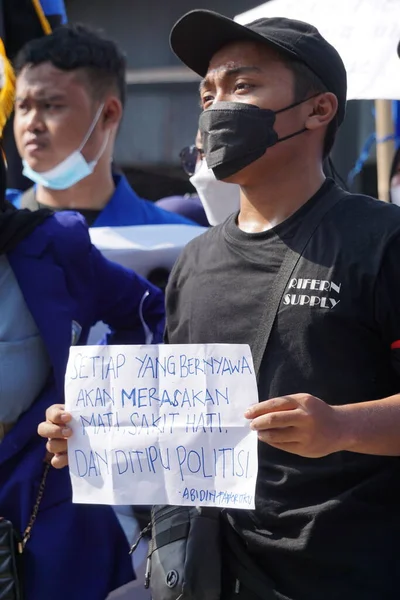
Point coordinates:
[[21, 107], [206, 99], [243, 86], [49, 105]]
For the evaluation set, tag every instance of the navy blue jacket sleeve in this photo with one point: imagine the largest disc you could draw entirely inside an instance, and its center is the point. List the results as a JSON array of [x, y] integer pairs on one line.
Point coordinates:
[[130, 305]]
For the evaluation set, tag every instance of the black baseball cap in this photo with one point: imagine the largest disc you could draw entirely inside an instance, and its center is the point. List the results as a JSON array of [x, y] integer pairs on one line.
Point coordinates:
[[199, 34]]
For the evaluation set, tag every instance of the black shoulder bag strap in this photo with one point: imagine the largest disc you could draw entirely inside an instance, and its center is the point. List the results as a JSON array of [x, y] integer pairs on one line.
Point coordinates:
[[241, 564], [289, 264]]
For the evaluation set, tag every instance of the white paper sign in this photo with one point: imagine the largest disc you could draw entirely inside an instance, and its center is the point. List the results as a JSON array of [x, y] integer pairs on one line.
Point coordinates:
[[162, 425], [365, 33]]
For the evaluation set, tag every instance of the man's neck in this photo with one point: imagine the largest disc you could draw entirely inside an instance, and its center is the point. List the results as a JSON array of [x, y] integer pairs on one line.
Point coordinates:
[[92, 193], [278, 196]]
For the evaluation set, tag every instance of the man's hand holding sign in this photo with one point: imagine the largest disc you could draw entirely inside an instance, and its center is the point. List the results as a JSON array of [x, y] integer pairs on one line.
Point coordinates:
[[56, 429], [299, 423]]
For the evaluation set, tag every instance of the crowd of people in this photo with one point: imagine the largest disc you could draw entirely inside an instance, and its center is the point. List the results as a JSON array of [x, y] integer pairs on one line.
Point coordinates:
[[273, 96]]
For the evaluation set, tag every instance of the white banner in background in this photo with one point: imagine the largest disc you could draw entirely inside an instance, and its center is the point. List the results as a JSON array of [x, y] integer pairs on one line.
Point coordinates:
[[365, 33], [144, 247], [162, 425]]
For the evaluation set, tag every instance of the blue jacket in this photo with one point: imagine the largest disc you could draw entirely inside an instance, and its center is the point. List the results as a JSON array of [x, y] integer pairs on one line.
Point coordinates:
[[75, 551], [125, 208]]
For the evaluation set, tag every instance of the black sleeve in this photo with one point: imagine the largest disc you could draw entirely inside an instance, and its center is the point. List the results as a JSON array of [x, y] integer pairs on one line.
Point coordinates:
[[172, 296], [166, 338], [387, 301]]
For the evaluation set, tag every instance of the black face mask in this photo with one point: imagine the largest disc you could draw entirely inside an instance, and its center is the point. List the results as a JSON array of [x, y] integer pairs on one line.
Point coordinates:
[[235, 134]]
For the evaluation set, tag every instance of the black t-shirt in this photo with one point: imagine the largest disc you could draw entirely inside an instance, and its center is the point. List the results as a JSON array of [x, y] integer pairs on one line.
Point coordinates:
[[327, 528], [29, 201]]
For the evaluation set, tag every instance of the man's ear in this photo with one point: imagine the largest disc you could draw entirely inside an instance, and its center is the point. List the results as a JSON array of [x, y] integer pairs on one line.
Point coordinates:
[[112, 113], [323, 111]]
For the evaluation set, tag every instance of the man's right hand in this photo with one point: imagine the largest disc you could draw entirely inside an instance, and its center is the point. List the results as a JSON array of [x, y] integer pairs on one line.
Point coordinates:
[[56, 430]]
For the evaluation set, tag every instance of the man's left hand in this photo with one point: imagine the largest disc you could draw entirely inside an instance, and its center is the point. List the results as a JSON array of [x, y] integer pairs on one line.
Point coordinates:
[[300, 424]]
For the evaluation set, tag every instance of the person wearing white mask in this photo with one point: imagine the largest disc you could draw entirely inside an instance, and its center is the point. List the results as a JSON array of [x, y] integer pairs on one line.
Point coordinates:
[[70, 94], [218, 199], [215, 200]]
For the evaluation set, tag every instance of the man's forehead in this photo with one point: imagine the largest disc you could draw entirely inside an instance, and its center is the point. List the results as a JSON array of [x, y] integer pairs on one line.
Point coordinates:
[[227, 66], [242, 56], [45, 75]]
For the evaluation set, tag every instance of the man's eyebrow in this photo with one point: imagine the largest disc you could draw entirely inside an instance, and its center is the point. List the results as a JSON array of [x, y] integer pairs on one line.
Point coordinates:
[[48, 96], [230, 72]]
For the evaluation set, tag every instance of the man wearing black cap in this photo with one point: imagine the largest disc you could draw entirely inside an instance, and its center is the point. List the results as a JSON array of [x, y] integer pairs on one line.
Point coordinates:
[[327, 519]]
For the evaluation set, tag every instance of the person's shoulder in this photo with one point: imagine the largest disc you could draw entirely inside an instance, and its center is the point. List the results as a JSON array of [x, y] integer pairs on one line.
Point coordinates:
[[211, 236], [160, 216], [64, 233], [66, 223], [198, 251], [367, 215], [188, 206], [367, 205], [134, 210], [195, 249]]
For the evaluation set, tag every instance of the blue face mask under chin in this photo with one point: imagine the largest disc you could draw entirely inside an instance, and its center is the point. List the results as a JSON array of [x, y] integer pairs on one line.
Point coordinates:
[[72, 169]]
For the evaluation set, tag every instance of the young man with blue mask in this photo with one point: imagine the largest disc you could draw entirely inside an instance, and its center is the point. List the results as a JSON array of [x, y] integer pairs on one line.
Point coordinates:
[[69, 104]]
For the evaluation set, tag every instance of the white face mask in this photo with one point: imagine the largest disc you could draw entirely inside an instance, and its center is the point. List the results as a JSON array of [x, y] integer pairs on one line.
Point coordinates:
[[395, 194], [219, 199], [72, 169]]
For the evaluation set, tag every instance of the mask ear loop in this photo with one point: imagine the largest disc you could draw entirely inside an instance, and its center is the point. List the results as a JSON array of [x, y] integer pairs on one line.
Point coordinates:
[[300, 131], [91, 128], [103, 147], [287, 137], [297, 103]]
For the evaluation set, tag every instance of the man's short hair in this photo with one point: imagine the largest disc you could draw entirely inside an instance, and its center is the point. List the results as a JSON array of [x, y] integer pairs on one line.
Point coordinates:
[[76, 47], [306, 83]]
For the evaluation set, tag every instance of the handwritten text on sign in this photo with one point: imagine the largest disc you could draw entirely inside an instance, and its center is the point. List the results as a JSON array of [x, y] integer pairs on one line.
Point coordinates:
[[162, 425]]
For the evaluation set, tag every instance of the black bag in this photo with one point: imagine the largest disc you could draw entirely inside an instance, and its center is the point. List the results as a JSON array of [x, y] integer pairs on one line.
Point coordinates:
[[12, 546], [10, 562], [179, 533], [184, 559]]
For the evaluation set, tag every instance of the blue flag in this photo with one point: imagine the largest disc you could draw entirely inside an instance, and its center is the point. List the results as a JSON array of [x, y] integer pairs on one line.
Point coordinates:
[[54, 11], [24, 20]]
